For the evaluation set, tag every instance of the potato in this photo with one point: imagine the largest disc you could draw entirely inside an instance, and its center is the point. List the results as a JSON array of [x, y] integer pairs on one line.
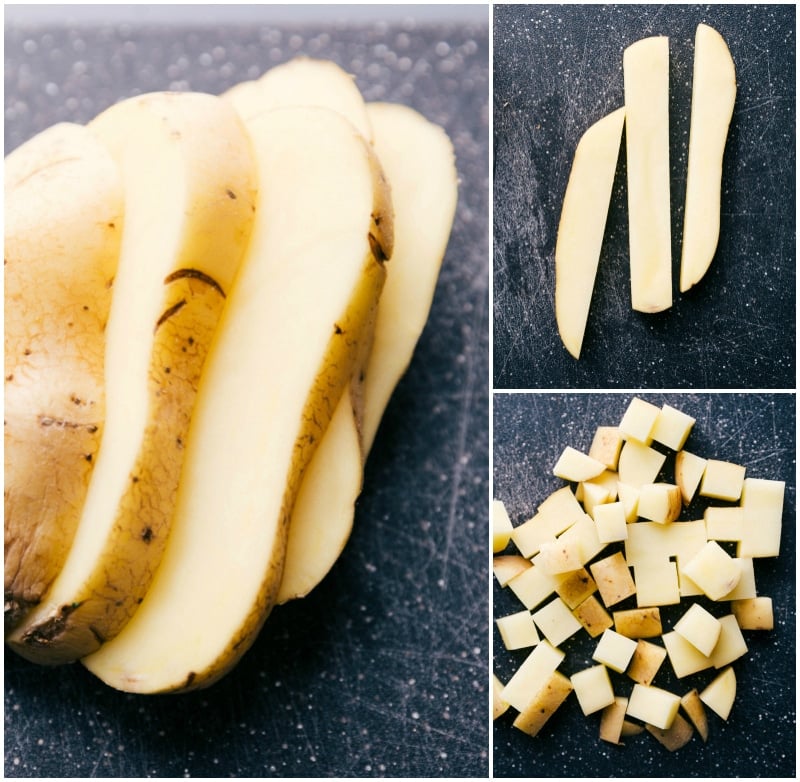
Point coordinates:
[[676, 736], [189, 190], [60, 261], [543, 705], [720, 694], [269, 402]]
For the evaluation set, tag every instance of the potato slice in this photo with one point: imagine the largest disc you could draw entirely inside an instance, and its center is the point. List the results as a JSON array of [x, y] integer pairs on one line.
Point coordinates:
[[689, 469], [696, 712], [63, 228], [189, 187], [646, 77], [713, 98], [310, 282], [582, 224], [544, 704]]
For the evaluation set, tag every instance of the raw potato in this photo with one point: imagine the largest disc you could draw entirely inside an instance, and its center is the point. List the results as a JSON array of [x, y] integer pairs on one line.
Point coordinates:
[[499, 706], [696, 712], [311, 280], [189, 198], [720, 694], [676, 736], [582, 224], [646, 76], [419, 164], [54, 346], [543, 705], [689, 470], [713, 98], [612, 720]]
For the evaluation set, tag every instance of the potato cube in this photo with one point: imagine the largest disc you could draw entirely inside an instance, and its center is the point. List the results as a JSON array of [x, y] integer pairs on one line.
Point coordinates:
[[660, 502], [638, 421], [639, 463], [561, 502], [746, 586], [614, 651], [575, 587], [556, 621], [594, 618], [676, 736], [611, 523], [720, 694], [518, 630], [501, 526], [543, 704], [612, 720], [559, 556], [672, 427], [713, 570], [499, 706], [696, 712], [606, 445], [533, 586], [608, 480], [653, 705], [762, 504], [724, 523], [594, 495], [657, 583], [731, 644], [584, 533], [629, 497], [689, 469], [754, 613], [544, 526], [638, 622], [700, 628], [573, 465], [593, 688], [506, 566], [685, 658], [646, 660], [613, 579], [532, 675], [722, 480]]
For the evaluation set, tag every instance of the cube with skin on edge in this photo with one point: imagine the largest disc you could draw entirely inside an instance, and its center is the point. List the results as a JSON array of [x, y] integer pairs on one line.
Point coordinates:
[[653, 705], [594, 618], [593, 688], [532, 675], [646, 660], [722, 480], [754, 613], [613, 579], [713, 570], [501, 526], [638, 421], [615, 651], [689, 469], [544, 704], [575, 587], [638, 622], [606, 445]]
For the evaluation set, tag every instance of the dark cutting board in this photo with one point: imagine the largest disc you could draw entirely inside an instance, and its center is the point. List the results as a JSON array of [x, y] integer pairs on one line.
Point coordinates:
[[558, 69], [382, 670], [758, 740]]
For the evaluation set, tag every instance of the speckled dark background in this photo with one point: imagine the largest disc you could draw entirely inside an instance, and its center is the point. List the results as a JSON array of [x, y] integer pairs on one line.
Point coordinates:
[[558, 69], [759, 738], [382, 670]]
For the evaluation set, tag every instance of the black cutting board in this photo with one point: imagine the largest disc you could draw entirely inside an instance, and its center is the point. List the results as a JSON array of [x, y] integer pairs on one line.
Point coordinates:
[[382, 670], [754, 430], [557, 70]]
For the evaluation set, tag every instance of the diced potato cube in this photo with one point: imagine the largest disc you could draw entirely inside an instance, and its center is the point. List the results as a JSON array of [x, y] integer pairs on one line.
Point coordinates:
[[638, 622], [594, 495], [762, 504], [631, 729], [676, 736], [613, 579], [532, 675], [731, 644], [713, 570], [506, 566], [556, 621], [646, 661], [575, 466], [746, 586], [639, 463], [614, 651], [543, 527], [653, 705], [593, 688], [606, 445], [696, 712], [518, 630], [685, 658], [638, 421], [722, 480], [612, 720], [584, 533], [575, 587], [608, 480], [501, 526], [720, 694], [561, 502], [594, 618], [700, 628], [533, 586], [660, 502], [689, 469], [629, 497], [724, 523], [754, 613], [657, 583], [543, 704], [611, 523], [559, 556], [672, 427], [499, 706]]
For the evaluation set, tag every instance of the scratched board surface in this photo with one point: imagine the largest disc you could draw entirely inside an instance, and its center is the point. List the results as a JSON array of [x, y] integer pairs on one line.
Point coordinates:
[[754, 430], [382, 670], [557, 70]]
